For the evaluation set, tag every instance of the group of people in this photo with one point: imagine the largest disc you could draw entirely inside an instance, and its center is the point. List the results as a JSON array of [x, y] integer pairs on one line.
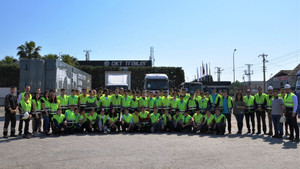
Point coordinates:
[[105, 111]]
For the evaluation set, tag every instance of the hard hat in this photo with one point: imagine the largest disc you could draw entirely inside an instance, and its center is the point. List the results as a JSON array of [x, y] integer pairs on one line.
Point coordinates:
[[287, 86], [25, 116], [270, 88]]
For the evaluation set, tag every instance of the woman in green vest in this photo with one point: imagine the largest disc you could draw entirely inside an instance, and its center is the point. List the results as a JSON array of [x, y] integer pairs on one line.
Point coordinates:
[[37, 107], [208, 122], [25, 115], [114, 122], [54, 106], [239, 108], [59, 123], [45, 111]]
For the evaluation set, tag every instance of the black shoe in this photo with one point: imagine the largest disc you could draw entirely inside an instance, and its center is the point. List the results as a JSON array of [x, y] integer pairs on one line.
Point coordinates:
[[26, 136], [297, 140], [239, 132], [275, 136], [20, 134], [270, 133], [258, 133], [253, 132], [289, 138], [13, 135], [249, 131], [279, 137], [5, 136]]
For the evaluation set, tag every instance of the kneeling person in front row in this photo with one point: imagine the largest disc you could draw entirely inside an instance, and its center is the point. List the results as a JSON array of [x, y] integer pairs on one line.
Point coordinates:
[[114, 122], [220, 122], [155, 121], [102, 123], [208, 122], [177, 120], [59, 123], [167, 124], [197, 117], [92, 120], [127, 121], [186, 122]]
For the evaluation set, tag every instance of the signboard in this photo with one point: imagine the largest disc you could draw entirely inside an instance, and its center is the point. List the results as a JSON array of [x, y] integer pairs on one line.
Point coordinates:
[[118, 63], [280, 78]]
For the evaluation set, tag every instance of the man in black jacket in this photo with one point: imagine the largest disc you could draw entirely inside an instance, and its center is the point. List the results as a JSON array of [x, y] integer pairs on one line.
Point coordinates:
[[11, 107]]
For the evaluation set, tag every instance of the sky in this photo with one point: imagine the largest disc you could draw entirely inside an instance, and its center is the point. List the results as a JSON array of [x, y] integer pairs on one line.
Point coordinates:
[[183, 33]]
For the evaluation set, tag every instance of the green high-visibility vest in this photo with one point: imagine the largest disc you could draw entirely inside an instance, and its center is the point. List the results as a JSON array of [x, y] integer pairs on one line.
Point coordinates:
[[106, 101], [219, 118], [203, 103], [80, 117], [116, 100], [54, 106], [177, 118], [164, 117], [70, 115], [98, 102], [186, 97], [83, 98], [103, 119], [213, 102], [134, 103], [288, 100], [269, 101], [63, 100], [229, 102], [143, 102], [127, 118], [135, 118], [59, 119], [23, 96], [209, 120], [113, 119], [174, 104], [158, 101], [197, 117], [73, 100], [280, 95], [91, 100], [192, 104], [260, 99], [37, 105], [91, 118], [154, 117], [151, 102], [186, 119], [249, 102], [144, 115], [26, 106], [46, 102], [181, 105], [166, 102], [126, 102]]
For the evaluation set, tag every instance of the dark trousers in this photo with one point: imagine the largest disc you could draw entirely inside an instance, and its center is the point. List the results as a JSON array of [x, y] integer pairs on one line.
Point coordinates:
[[220, 128], [56, 127], [94, 126], [228, 119], [168, 126], [270, 121], [9, 117], [250, 116], [277, 125], [206, 128], [126, 125], [261, 115], [113, 128], [37, 122], [239, 119], [26, 125], [292, 121]]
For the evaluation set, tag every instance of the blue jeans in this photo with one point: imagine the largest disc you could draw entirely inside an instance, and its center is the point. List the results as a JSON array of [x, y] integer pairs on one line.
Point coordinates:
[[278, 127], [239, 119], [45, 124], [37, 123], [157, 126]]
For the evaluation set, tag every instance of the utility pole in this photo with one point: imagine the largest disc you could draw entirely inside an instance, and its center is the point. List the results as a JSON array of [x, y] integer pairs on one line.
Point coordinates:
[[249, 73], [151, 57], [87, 54], [219, 71], [264, 68], [233, 66]]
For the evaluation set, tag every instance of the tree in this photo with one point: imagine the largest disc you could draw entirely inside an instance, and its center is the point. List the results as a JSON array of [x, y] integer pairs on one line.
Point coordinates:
[[235, 86], [29, 50], [69, 60], [50, 56], [8, 60]]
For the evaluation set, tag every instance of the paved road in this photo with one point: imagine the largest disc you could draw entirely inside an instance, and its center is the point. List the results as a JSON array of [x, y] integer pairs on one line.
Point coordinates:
[[174, 150]]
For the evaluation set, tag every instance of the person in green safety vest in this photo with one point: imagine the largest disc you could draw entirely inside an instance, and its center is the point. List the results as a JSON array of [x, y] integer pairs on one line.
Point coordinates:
[[92, 120], [106, 102], [220, 122], [192, 104], [282, 95], [136, 120], [225, 106], [182, 105], [214, 99], [166, 102], [91, 101], [45, 112], [174, 104], [82, 98], [59, 123], [177, 120], [185, 95], [134, 102], [203, 103], [167, 124], [158, 101], [144, 118], [81, 120], [155, 120], [116, 101], [143, 101], [197, 118], [25, 107], [54, 106], [187, 122], [127, 121], [63, 98], [151, 102], [73, 99], [208, 122], [260, 103], [114, 121], [22, 95], [269, 99], [103, 120], [71, 119], [249, 112], [126, 101], [37, 107]]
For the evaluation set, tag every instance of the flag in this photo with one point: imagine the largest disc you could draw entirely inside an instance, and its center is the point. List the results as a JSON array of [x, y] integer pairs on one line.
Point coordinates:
[[206, 69], [209, 69], [203, 69], [197, 75]]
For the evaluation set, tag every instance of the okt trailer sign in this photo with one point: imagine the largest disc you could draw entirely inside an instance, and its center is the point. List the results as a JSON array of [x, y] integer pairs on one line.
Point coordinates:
[[118, 63]]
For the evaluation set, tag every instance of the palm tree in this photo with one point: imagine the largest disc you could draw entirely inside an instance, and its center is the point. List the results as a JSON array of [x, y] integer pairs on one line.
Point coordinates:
[[29, 50], [50, 56], [69, 60], [8, 60]]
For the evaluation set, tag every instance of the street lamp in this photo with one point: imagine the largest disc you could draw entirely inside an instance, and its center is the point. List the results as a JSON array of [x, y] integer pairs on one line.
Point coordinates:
[[233, 66]]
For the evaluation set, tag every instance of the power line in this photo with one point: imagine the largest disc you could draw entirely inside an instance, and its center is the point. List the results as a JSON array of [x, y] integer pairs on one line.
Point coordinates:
[[264, 68], [249, 73], [219, 71]]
